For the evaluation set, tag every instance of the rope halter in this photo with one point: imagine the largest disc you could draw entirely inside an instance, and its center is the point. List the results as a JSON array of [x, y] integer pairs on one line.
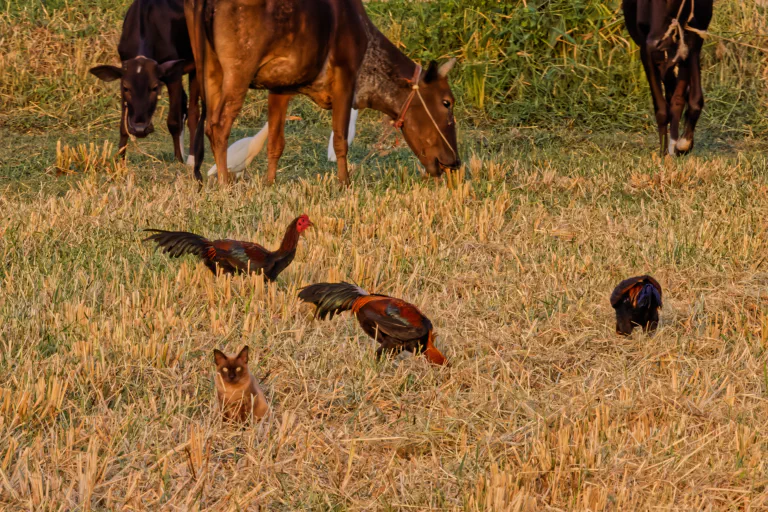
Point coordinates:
[[400, 121]]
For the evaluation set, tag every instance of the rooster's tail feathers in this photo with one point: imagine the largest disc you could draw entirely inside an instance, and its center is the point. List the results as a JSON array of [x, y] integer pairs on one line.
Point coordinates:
[[331, 298], [179, 243], [649, 296]]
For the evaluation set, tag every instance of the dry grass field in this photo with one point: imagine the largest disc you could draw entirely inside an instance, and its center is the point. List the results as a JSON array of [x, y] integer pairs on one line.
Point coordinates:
[[107, 399]]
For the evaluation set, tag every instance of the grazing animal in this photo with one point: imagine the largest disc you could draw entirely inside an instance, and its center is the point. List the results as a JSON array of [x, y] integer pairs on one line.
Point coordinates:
[[154, 49], [668, 34], [394, 323], [328, 50], [232, 256], [637, 301], [238, 393]]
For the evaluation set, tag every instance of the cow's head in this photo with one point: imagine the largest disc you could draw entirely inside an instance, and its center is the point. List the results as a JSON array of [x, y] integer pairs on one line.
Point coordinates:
[[421, 133], [141, 80], [661, 15]]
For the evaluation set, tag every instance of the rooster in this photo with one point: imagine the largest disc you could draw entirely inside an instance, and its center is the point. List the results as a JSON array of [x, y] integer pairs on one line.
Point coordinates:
[[232, 256], [637, 301], [394, 323]]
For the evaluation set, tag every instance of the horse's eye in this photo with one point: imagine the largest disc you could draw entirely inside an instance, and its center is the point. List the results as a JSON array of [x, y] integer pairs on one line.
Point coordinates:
[[446, 104]]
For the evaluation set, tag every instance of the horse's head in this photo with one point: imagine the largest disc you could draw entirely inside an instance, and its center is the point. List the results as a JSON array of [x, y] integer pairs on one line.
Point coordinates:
[[141, 80], [431, 132]]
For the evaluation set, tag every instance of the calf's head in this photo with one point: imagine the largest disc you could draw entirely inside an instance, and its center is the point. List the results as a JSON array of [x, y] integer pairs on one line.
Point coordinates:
[[436, 152], [140, 80]]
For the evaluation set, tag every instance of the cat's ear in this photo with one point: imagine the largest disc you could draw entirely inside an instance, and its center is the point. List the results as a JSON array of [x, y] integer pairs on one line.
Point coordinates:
[[243, 355], [219, 357]]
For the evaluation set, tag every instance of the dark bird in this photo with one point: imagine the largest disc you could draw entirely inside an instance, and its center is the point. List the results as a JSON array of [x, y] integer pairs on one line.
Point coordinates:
[[232, 256], [394, 323], [637, 301]]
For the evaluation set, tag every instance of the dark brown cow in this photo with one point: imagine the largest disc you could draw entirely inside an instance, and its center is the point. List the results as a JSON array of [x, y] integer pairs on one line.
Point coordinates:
[[154, 49], [667, 32], [328, 50]]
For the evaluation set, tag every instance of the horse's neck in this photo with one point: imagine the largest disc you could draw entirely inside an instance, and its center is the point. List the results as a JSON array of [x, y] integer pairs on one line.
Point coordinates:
[[380, 80]]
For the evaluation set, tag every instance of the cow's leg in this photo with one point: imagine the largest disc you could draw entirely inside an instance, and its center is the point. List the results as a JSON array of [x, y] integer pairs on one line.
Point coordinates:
[[343, 90], [176, 115], [193, 114], [121, 147], [277, 107], [695, 99], [229, 103], [659, 101], [676, 104]]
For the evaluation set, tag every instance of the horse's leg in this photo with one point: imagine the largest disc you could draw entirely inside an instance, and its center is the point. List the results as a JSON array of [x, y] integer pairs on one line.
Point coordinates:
[[695, 98], [176, 116], [193, 114], [123, 131], [677, 104], [659, 101], [343, 90], [277, 107]]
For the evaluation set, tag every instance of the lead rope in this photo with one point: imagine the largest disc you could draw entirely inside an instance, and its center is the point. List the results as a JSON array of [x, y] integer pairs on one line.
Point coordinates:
[[676, 26]]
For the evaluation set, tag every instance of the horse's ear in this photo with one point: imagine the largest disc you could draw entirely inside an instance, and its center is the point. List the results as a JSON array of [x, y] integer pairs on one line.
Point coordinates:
[[446, 67], [432, 72]]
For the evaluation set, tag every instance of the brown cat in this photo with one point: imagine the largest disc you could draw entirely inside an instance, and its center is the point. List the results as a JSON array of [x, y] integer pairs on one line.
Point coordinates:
[[238, 392]]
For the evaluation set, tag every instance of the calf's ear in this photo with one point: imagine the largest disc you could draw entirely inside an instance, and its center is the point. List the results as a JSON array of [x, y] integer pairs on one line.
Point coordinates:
[[172, 70], [446, 67], [106, 73]]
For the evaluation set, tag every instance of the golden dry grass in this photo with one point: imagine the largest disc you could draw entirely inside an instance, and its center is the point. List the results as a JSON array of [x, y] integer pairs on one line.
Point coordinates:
[[107, 399], [106, 393]]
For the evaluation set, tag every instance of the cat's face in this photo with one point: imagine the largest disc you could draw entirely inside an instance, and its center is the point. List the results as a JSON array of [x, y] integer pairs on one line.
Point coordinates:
[[231, 369]]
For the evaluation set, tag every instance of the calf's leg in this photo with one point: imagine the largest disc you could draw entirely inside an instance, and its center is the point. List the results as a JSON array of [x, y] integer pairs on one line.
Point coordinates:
[[677, 105], [193, 115], [695, 99], [277, 107], [123, 131], [659, 101], [176, 116]]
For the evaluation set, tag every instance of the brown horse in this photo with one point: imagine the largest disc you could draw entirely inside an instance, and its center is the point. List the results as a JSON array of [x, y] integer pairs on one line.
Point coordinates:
[[328, 50]]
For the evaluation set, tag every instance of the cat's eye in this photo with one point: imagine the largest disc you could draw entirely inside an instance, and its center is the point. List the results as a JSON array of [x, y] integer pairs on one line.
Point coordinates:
[[238, 369], [223, 370]]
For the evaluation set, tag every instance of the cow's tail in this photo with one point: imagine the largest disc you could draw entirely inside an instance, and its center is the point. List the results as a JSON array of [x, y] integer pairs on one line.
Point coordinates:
[[199, 37]]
